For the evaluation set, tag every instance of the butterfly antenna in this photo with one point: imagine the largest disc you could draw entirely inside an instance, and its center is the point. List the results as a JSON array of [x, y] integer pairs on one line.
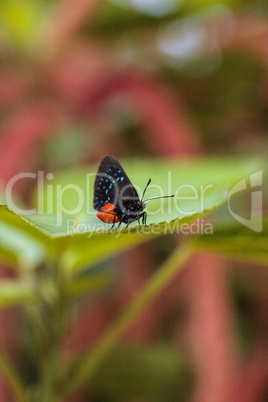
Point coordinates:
[[145, 189], [156, 198]]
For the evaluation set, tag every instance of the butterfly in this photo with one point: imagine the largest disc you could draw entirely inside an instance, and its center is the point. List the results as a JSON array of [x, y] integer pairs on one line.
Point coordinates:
[[115, 197]]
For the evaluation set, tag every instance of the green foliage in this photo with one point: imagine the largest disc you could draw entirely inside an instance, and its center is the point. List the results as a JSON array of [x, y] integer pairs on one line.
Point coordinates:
[[20, 21], [56, 266], [29, 240], [238, 242]]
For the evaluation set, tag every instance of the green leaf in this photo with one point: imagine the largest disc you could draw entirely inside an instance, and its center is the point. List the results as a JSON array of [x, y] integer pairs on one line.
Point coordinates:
[[237, 242], [194, 5], [65, 208], [21, 244], [188, 180], [20, 20], [13, 292]]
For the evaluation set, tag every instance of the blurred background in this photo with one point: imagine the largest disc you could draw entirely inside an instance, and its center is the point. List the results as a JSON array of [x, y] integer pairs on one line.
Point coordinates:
[[153, 78]]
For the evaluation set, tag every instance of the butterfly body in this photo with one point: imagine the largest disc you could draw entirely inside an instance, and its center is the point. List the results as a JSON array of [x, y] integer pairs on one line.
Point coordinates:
[[115, 197]]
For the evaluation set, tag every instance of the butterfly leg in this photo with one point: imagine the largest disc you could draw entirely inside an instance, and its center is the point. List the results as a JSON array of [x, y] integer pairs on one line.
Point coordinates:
[[144, 218], [113, 223], [129, 223], [121, 221], [119, 225]]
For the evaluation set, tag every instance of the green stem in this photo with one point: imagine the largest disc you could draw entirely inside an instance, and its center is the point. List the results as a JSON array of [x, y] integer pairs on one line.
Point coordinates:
[[46, 320], [160, 280], [12, 377]]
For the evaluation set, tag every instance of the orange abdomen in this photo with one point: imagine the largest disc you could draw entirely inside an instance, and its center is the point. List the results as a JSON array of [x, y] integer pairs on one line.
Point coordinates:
[[107, 214]]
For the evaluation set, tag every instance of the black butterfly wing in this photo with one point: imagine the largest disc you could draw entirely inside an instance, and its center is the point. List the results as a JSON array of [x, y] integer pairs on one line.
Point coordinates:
[[113, 185]]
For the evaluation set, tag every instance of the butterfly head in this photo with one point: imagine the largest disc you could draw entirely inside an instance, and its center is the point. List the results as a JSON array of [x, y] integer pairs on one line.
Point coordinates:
[[140, 205]]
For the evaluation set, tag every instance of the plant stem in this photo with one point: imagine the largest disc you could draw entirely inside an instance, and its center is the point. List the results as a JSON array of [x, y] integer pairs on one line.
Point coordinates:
[[12, 377], [156, 285], [47, 321]]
